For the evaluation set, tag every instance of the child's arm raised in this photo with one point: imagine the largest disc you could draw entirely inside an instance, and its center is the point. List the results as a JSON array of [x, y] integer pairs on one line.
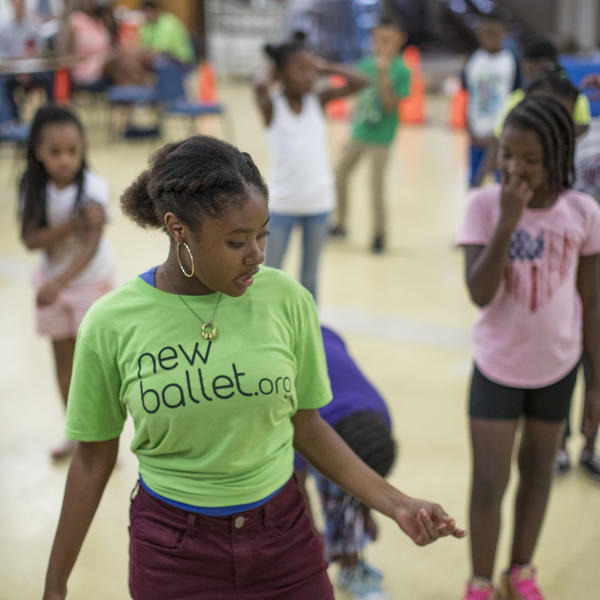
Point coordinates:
[[355, 81], [261, 94], [424, 522], [587, 283], [90, 469], [485, 264], [95, 217]]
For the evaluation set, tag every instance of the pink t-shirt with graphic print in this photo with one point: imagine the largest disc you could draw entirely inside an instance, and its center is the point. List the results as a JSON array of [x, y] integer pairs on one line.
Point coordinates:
[[530, 335]]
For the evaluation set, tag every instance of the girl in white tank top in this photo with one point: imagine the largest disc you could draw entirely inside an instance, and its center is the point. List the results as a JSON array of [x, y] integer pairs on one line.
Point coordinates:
[[301, 181]]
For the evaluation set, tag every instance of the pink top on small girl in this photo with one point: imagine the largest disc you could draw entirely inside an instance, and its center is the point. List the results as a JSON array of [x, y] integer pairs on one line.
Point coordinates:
[[92, 44], [530, 334]]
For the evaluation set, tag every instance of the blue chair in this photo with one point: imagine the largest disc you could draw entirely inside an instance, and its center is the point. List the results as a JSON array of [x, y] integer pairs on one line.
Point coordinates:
[[15, 133], [129, 96], [12, 133], [577, 68], [10, 129], [173, 100]]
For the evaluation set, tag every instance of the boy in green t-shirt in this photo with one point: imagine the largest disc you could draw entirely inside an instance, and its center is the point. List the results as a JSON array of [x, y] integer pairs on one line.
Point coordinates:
[[164, 33], [375, 122]]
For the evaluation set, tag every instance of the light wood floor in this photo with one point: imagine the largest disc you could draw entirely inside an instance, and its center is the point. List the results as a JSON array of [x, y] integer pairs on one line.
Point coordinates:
[[406, 318]]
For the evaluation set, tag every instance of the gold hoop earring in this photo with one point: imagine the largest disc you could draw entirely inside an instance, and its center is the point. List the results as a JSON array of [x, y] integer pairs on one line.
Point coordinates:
[[179, 259]]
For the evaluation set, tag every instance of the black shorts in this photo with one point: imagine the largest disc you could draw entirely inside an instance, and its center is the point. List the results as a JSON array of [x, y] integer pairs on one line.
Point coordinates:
[[491, 400]]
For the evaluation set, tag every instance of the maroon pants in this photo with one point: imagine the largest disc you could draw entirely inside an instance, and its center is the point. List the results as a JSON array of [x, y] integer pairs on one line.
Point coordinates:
[[268, 553]]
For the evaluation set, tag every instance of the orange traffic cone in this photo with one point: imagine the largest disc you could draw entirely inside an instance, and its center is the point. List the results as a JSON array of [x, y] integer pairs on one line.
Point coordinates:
[[412, 108], [128, 35], [338, 109], [207, 83], [62, 86], [458, 109]]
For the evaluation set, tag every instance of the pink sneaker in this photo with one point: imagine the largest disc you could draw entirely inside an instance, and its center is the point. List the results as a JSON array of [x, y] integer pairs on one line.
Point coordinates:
[[519, 584], [478, 590]]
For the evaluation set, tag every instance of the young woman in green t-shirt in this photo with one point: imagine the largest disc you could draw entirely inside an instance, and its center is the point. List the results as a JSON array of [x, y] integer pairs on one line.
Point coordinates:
[[221, 366]]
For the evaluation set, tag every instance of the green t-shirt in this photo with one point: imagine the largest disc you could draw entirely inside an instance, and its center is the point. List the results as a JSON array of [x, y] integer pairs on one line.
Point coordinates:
[[168, 35], [212, 419], [372, 123], [581, 111]]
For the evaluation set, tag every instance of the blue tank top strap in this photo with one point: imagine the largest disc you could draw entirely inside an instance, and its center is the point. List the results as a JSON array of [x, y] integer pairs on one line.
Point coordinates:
[[210, 511], [149, 276]]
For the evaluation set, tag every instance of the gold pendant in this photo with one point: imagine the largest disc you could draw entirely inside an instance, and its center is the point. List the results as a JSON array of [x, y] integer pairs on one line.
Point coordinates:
[[209, 331]]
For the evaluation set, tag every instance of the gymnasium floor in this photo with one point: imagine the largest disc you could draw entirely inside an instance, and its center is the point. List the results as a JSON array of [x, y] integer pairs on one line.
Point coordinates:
[[406, 318]]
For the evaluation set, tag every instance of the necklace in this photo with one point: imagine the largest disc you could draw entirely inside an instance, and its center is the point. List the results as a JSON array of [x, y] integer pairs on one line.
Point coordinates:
[[208, 331]]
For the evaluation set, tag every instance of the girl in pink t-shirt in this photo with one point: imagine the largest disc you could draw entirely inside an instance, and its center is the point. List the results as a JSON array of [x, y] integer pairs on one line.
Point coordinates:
[[532, 250], [91, 42]]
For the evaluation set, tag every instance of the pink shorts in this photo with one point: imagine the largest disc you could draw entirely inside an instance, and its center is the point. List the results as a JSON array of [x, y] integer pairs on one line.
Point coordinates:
[[61, 319]]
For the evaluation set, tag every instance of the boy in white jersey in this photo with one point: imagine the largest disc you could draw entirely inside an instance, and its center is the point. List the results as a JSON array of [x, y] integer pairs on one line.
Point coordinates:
[[490, 74]]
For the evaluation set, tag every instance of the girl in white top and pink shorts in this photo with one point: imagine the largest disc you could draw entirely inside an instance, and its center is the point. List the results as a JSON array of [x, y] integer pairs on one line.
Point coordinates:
[[63, 208]]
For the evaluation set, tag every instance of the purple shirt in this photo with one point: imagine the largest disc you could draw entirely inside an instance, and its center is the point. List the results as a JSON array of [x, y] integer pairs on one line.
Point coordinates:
[[352, 391]]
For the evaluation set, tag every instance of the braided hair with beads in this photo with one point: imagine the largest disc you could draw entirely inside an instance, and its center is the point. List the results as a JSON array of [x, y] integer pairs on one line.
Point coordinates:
[[553, 124], [196, 177]]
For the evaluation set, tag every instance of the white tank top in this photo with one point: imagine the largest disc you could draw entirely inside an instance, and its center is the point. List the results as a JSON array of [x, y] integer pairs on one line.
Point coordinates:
[[300, 177]]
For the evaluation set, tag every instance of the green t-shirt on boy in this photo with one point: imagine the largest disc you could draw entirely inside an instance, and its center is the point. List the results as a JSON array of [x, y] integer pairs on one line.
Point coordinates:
[[212, 418], [169, 35], [372, 123]]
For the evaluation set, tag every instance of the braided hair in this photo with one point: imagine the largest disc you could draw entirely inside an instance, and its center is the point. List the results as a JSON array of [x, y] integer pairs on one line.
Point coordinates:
[[199, 176], [553, 124], [281, 54], [370, 439], [32, 187]]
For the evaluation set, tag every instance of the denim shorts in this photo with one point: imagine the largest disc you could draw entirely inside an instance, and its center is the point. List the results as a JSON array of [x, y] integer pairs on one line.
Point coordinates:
[[272, 552]]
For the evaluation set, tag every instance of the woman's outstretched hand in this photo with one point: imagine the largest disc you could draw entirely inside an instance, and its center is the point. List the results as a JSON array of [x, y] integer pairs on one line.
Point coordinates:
[[425, 522]]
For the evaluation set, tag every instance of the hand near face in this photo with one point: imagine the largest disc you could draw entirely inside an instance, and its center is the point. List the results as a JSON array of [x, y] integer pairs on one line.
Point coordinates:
[[516, 194], [382, 62]]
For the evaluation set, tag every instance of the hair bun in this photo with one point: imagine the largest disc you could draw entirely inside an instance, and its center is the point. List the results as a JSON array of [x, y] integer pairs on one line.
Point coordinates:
[[137, 203]]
